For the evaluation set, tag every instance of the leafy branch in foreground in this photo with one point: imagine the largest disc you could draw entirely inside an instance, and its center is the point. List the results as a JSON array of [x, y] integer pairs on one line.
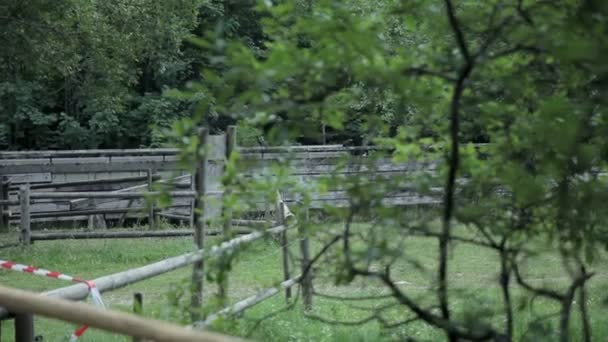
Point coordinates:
[[522, 76]]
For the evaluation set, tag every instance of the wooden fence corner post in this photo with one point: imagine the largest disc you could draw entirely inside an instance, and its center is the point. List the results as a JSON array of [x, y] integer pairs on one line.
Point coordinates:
[[280, 217], [4, 222], [226, 211], [24, 327], [138, 305], [230, 147], [151, 218], [193, 201], [231, 140], [198, 272], [306, 281], [24, 200]]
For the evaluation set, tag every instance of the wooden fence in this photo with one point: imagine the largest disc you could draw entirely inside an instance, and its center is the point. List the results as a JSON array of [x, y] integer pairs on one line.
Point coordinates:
[[24, 330], [112, 185], [24, 325]]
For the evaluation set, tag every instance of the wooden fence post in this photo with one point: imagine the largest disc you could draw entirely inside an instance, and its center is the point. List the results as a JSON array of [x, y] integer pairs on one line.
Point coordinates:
[[24, 328], [280, 213], [138, 299], [226, 211], [138, 303], [198, 273], [151, 218], [24, 200], [306, 280], [4, 223], [193, 202], [230, 146]]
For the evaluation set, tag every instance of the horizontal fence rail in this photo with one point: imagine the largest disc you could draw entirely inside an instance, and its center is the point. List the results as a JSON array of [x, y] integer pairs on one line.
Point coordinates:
[[29, 303], [126, 191], [205, 184], [89, 183], [246, 303], [111, 195], [122, 279], [109, 234]]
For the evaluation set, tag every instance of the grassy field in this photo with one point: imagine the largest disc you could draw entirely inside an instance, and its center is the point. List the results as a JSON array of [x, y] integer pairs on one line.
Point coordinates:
[[472, 274]]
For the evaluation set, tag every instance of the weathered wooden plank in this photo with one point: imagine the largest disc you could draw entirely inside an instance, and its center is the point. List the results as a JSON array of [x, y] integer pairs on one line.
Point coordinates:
[[159, 151], [87, 153], [49, 206], [294, 155], [30, 178], [117, 195], [283, 149], [5, 202], [109, 234], [81, 218], [393, 201], [200, 223], [85, 212], [217, 147], [124, 203], [300, 166], [84, 160], [335, 166], [24, 198], [103, 184], [27, 304], [133, 165], [84, 203]]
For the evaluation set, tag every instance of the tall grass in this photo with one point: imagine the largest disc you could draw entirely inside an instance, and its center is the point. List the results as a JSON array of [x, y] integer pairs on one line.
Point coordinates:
[[473, 276]]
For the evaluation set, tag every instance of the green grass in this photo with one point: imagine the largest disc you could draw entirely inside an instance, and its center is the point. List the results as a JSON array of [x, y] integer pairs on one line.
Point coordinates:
[[472, 277]]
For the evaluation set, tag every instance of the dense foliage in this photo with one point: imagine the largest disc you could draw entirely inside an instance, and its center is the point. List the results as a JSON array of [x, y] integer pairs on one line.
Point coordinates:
[[89, 74], [423, 79]]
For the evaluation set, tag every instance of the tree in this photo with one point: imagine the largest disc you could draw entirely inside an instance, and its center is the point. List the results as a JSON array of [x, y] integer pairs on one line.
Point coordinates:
[[78, 74], [525, 76]]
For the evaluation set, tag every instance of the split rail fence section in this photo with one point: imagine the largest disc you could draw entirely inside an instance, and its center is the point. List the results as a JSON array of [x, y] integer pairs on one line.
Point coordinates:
[[23, 314], [24, 323], [112, 185]]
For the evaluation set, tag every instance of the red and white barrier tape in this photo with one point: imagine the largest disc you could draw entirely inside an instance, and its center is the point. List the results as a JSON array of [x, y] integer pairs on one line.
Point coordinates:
[[93, 291]]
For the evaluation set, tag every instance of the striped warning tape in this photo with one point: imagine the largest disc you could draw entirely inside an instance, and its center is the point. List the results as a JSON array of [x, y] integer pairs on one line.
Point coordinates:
[[93, 290]]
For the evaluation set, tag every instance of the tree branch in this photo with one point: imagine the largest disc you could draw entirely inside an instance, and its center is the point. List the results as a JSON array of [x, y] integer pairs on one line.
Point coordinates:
[[353, 298], [393, 325], [584, 314], [456, 238], [318, 256], [446, 325], [505, 277], [515, 49], [338, 322], [539, 291], [454, 160], [523, 13], [259, 321], [567, 300], [454, 23]]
